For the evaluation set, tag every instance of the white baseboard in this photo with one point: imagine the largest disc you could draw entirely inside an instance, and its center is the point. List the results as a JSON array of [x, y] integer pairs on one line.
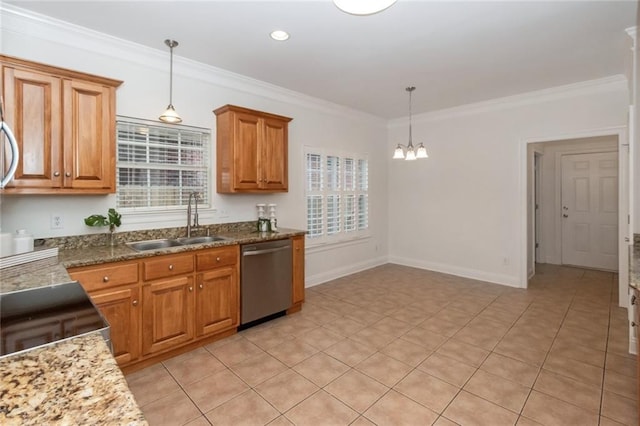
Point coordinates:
[[475, 274], [333, 274]]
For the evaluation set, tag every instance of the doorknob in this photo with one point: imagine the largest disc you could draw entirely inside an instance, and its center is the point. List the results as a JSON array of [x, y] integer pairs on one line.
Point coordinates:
[[565, 215]]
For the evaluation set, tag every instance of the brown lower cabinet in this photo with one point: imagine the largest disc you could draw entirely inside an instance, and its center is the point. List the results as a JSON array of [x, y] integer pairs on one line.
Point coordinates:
[[167, 314], [161, 305], [121, 307], [298, 272], [217, 301]]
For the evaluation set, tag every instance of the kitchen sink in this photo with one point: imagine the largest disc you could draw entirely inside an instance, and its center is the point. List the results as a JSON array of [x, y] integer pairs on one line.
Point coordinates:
[[199, 240], [154, 244], [167, 243]]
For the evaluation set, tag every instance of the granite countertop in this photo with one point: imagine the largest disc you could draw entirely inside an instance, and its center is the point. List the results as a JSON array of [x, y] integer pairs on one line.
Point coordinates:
[[43, 273], [76, 381], [634, 266]]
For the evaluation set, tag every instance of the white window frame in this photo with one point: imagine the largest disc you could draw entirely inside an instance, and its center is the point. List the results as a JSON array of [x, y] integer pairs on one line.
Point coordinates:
[[357, 190], [172, 214]]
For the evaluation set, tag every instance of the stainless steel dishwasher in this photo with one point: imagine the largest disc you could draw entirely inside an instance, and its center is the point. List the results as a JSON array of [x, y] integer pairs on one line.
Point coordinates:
[[265, 279]]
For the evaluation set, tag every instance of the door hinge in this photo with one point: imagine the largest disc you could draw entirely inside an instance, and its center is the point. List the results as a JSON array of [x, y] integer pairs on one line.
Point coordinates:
[[537, 245]]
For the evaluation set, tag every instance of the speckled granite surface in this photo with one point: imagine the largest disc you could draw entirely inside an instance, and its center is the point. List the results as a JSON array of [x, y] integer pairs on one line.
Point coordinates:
[[71, 383], [634, 263], [26, 276]]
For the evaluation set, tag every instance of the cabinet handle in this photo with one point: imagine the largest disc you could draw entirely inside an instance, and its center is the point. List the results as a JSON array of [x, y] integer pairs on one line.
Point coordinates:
[[105, 279], [56, 174], [67, 174], [135, 303], [190, 288], [201, 286], [171, 267]]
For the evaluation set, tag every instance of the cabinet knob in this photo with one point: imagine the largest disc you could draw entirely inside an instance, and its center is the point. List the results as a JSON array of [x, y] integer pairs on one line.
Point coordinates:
[[171, 267], [67, 174], [105, 279], [217, 259], [201, 286], [190, 288], [135, 302], [56, 174]]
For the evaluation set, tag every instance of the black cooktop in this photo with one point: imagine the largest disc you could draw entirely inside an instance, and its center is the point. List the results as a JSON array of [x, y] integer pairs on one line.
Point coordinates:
[[40, 316]]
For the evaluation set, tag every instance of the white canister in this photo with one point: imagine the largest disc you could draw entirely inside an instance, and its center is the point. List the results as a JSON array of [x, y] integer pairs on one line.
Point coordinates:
[[6, 244], [22, 242]]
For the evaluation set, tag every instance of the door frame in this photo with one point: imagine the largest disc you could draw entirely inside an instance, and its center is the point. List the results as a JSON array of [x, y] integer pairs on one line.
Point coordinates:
[[621, 133]]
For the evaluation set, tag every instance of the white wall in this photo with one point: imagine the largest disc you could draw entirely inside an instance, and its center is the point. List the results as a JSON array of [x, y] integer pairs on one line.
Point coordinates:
[[198, 89], [461, 210]]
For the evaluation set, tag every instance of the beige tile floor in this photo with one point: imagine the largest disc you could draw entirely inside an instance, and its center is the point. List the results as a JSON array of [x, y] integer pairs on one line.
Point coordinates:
[[402, 346]]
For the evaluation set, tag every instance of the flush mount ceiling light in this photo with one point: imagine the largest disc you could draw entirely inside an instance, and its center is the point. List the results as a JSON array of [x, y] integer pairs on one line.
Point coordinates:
[[363, 7], [412, 154], [170, 115], [279, 35]]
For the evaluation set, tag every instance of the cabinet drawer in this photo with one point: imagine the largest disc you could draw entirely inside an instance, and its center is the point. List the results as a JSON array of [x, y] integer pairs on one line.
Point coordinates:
[[217, 257], [161, 267], [106, 276]]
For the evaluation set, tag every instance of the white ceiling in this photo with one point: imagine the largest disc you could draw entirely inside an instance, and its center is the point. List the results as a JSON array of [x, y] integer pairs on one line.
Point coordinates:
[[453, 52]]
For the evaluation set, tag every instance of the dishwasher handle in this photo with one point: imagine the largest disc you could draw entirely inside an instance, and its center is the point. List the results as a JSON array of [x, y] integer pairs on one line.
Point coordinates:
[[265, 251]]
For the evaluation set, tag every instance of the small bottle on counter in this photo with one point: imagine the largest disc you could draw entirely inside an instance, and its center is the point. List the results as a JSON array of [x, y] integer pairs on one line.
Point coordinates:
[[22, 242], [6, 244]]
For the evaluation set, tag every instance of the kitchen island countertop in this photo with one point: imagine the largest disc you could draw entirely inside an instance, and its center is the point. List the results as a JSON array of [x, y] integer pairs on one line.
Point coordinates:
[[72, 382]]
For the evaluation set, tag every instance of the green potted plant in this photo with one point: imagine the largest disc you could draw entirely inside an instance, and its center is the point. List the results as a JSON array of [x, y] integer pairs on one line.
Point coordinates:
[[112, 220]]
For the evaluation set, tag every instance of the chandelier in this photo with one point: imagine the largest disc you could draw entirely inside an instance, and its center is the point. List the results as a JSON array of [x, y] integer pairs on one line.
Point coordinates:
[[411, 152]]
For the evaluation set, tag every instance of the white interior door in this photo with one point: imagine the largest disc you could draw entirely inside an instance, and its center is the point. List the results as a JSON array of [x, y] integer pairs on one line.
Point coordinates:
[[590, 210]]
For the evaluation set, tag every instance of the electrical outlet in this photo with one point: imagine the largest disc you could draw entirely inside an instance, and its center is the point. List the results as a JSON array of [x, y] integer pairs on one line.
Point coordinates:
[[56, 221]]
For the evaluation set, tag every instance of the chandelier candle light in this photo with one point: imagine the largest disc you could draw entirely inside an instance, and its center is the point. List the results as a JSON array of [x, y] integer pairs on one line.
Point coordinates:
[[170, 115], [412, 153]]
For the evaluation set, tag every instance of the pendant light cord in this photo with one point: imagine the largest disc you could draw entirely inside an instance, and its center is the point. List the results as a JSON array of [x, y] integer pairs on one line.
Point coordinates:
[[410, 89], [171, 74]]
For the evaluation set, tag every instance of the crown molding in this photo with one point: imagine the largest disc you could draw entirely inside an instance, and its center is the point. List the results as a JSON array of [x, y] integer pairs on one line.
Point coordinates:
[[24, 22], [601, 85]]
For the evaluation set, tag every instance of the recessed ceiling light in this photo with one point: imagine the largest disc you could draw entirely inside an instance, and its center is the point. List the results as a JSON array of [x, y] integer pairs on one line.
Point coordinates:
[[363, 7], [279, 35]]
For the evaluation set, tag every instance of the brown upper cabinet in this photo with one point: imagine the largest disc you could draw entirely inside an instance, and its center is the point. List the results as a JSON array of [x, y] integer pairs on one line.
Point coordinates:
[[64, 122], [252, 151]]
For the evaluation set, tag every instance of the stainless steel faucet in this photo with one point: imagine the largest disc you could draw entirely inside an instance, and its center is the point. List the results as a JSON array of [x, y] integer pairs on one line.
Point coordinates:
[[194, 195]]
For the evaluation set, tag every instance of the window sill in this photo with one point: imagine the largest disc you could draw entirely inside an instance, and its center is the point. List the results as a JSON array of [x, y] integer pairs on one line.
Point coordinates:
[[331, 245]]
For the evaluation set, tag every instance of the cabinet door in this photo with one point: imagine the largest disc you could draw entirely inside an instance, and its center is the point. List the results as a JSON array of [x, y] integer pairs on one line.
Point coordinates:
[[298, 269], [217, 304], [167, 314], [33, 109], [274, 155], [89, 136], [246, 155], [121, 308]]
